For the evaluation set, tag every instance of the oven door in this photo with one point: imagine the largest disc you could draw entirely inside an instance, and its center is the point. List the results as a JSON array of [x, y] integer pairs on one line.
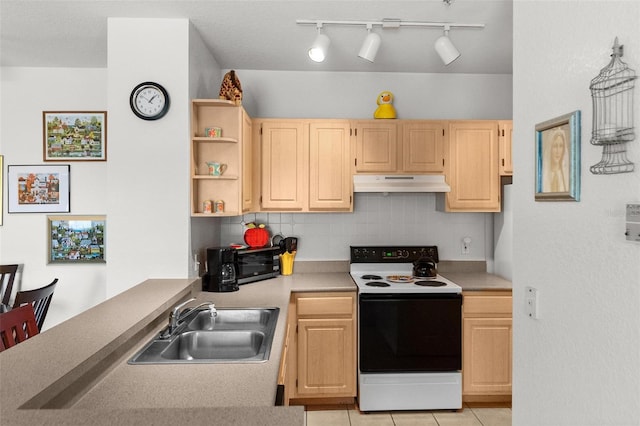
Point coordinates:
[[410, 332]]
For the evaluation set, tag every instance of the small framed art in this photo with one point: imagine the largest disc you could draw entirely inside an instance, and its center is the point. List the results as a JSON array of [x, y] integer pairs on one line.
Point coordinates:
[[39, 189], [558, 159], [74, 136], [1, 188], [76, 239]]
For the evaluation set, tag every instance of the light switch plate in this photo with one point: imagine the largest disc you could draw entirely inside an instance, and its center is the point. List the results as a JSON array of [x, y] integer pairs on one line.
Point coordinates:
[[632, 229], [531, 302]]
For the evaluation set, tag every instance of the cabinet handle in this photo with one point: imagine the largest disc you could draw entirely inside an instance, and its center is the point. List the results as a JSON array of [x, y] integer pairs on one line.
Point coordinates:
[[503, 162]]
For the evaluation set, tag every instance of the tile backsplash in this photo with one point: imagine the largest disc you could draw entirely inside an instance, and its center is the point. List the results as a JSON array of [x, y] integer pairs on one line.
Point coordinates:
[[397, 218]]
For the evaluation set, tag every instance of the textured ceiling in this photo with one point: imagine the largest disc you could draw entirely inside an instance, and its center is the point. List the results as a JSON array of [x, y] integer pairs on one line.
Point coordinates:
[[263, 35]]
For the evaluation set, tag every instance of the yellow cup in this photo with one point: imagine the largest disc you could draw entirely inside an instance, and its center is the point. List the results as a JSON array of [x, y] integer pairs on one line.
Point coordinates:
[[286, 263]]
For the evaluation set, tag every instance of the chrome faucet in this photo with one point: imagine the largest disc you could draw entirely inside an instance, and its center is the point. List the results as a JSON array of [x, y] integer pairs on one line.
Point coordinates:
[[178, 314]]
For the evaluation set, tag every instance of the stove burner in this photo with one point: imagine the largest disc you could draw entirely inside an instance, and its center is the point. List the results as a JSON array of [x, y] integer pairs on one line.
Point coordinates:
[[371, 277], [430, 283], [377, 284]]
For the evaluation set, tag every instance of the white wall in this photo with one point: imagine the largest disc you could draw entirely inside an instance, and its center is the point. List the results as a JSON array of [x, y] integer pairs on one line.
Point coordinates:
[[579, 363], [26, 93], [205, 77], [353, 95], [147, 191]]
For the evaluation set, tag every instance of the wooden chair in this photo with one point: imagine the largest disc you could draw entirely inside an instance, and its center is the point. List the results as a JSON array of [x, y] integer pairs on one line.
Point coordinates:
[[40, 298], [16, 326], [7, 276]]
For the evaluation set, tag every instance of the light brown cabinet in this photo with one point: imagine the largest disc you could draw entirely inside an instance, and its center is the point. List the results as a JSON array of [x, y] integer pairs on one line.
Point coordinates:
[[471, 167], [323, 346], [284, 154], [487, 346], [505, 130], [306, 165], [399, 146], [376, 146], [423, 146], [229, 149]]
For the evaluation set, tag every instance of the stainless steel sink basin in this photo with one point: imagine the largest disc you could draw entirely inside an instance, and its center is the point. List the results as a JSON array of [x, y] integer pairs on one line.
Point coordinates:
[[233, 336], [234, 319]]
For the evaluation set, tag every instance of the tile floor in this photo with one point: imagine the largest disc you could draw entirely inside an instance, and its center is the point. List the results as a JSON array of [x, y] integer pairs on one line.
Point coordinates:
[[469, 416]]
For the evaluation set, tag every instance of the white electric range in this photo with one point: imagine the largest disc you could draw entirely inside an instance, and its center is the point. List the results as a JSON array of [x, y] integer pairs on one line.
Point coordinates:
[[409, 331]]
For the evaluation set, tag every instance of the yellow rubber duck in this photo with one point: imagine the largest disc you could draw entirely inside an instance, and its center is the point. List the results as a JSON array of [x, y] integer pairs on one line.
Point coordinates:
[[385, 106]]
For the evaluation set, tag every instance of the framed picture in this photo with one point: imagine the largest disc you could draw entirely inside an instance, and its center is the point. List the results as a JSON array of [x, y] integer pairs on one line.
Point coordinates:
[[76, 239], [38, 189], [558, 159], [1, 188], [74, 136]]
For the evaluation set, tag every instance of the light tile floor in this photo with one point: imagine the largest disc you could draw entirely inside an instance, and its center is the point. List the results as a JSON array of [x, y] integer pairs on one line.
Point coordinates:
[[469, 416]]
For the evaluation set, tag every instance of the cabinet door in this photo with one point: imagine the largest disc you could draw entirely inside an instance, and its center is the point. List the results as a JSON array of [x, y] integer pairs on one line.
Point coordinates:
[[330, 180], [247, 163], [376, 146], [472, 169], [486, 358], [284, 159], [506, 140], [326, 357], [423, 146]]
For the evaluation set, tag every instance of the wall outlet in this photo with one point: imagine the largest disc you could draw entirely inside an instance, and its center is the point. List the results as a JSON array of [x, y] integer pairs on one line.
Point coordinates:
[[531, 302], [466, 245]]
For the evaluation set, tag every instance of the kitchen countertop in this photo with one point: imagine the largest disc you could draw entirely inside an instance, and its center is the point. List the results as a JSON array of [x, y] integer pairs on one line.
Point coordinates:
[[76, 372], [478, 281]]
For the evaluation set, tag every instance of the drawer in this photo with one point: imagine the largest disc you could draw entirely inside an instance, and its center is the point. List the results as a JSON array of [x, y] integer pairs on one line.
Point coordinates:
[[487, 304], [325, 305]]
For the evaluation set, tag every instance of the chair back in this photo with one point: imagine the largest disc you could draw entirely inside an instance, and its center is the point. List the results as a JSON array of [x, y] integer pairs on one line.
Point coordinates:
[[16, 326], [40, 298], [7, 276]]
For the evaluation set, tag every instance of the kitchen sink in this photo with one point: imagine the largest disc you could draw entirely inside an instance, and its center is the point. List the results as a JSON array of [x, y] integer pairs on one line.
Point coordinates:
[[234, 319], [234, 335]]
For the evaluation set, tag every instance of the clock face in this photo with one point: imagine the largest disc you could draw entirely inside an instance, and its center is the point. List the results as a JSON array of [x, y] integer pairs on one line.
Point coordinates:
[[149, 101]]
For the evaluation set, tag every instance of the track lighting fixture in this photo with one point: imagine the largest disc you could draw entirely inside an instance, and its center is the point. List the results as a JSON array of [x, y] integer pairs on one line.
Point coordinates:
[[443, 45], [445, 48], [371, 44], [318, 50]]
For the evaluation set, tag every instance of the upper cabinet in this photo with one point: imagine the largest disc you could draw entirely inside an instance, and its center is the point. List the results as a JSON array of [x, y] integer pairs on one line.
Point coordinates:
[[284, 154], [472, 167], [330, 181], [399, 146], [505, 130], [225, 182], [376, 146], [306, 165], [423, 146]]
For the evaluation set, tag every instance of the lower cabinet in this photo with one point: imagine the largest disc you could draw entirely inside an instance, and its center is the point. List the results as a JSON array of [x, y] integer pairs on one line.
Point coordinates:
[[487, 346], [321, 350]]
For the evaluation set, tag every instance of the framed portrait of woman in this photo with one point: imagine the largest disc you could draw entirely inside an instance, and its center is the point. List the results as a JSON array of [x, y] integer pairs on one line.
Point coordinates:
[[558, 159]]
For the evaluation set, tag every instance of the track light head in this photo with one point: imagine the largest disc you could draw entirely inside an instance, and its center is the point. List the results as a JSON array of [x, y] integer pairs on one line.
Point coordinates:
[[370, 47], [318, 50], [445, 48]]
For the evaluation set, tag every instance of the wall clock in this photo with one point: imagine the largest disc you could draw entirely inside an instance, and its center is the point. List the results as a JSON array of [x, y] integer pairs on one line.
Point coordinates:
[[149, 101]]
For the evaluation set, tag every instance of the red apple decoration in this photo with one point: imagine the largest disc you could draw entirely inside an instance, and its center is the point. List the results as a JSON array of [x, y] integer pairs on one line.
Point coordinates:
[[256, 237]]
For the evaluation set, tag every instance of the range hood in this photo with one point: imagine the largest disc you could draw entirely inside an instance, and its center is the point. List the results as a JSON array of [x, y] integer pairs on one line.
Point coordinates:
[[400, 183]]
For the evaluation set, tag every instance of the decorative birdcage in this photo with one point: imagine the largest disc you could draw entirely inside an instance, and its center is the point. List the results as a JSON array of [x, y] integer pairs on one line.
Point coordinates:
[[612, 95]]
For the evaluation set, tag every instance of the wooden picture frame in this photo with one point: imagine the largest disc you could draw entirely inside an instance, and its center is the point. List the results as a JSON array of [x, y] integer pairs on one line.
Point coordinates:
[[74, 135], [39, 188], [76, 239], [1, 188], [558, 159]]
